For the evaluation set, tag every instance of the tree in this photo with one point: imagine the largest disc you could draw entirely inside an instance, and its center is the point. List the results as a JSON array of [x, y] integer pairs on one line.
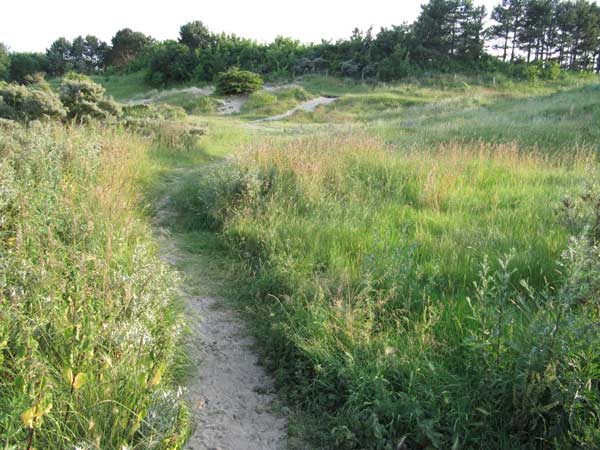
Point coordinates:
[[24, 64], [281, 54], [4, 61], [88, 54], [126, 45], [537, 18], [59, 57], [501, 30], [195, 35], [171, 62], [96, 52], [448, 28], [469, 43], [236, 81], [78, 55]]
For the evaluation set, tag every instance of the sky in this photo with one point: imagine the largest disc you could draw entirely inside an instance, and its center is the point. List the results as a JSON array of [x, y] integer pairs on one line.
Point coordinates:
[[34, 25]]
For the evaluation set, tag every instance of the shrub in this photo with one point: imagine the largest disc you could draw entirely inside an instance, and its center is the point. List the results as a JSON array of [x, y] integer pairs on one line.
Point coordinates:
[[533, 72], [8, 125], [24, 104], [86, 100], [552, 71], [236, 81]]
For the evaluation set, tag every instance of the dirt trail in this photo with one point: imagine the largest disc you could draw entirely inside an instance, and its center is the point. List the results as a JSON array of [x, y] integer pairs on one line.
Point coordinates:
[[234, 103], [308, 106], [231, 396]]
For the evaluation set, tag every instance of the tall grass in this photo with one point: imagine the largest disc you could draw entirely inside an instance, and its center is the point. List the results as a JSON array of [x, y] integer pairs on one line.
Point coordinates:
[[408, 299], [89, 329]]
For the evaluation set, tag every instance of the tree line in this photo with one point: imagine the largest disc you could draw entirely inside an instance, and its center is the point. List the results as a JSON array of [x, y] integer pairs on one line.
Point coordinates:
[[566, 33], [448, 35]]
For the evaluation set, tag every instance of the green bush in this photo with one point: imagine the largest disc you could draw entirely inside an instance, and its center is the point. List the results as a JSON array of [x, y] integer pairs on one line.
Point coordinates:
[[8, 125], [86, 100], [27, 103], [236, 81], [552, 71]]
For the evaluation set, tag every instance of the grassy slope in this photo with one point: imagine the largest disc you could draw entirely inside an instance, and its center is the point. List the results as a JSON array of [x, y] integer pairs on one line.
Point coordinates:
[[122, 87], [365, 241]]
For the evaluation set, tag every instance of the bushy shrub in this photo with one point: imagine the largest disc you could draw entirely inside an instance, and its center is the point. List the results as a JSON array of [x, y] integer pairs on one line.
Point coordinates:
[[8, 125], [236, 81], [86, 100], [27, 103], [552, 71], [533, 72]]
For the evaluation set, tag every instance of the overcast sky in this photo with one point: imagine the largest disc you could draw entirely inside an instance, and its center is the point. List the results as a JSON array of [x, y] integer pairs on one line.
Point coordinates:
[[33, 25]]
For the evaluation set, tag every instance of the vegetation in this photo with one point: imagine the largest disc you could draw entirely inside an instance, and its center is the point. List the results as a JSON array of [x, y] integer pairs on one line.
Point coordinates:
[[80, 100], [89, 328], [236, 81], [24, 104], [4, 62], [86, 100], [414, 282], [449, 35], [418, 260], [265, 104]]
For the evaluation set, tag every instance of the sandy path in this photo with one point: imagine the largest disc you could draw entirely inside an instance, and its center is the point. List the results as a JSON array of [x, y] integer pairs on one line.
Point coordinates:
[[308, 106], [230, 395], [232, 104]]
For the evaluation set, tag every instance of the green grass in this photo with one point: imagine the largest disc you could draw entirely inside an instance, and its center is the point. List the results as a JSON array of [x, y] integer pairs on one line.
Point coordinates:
[[400, 255], [192, 104], [403, 261], [90, 326], [262, 104], [123, 87]]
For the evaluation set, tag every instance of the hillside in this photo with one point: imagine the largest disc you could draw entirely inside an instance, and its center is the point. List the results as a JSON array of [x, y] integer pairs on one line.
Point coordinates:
[[322, 263]]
